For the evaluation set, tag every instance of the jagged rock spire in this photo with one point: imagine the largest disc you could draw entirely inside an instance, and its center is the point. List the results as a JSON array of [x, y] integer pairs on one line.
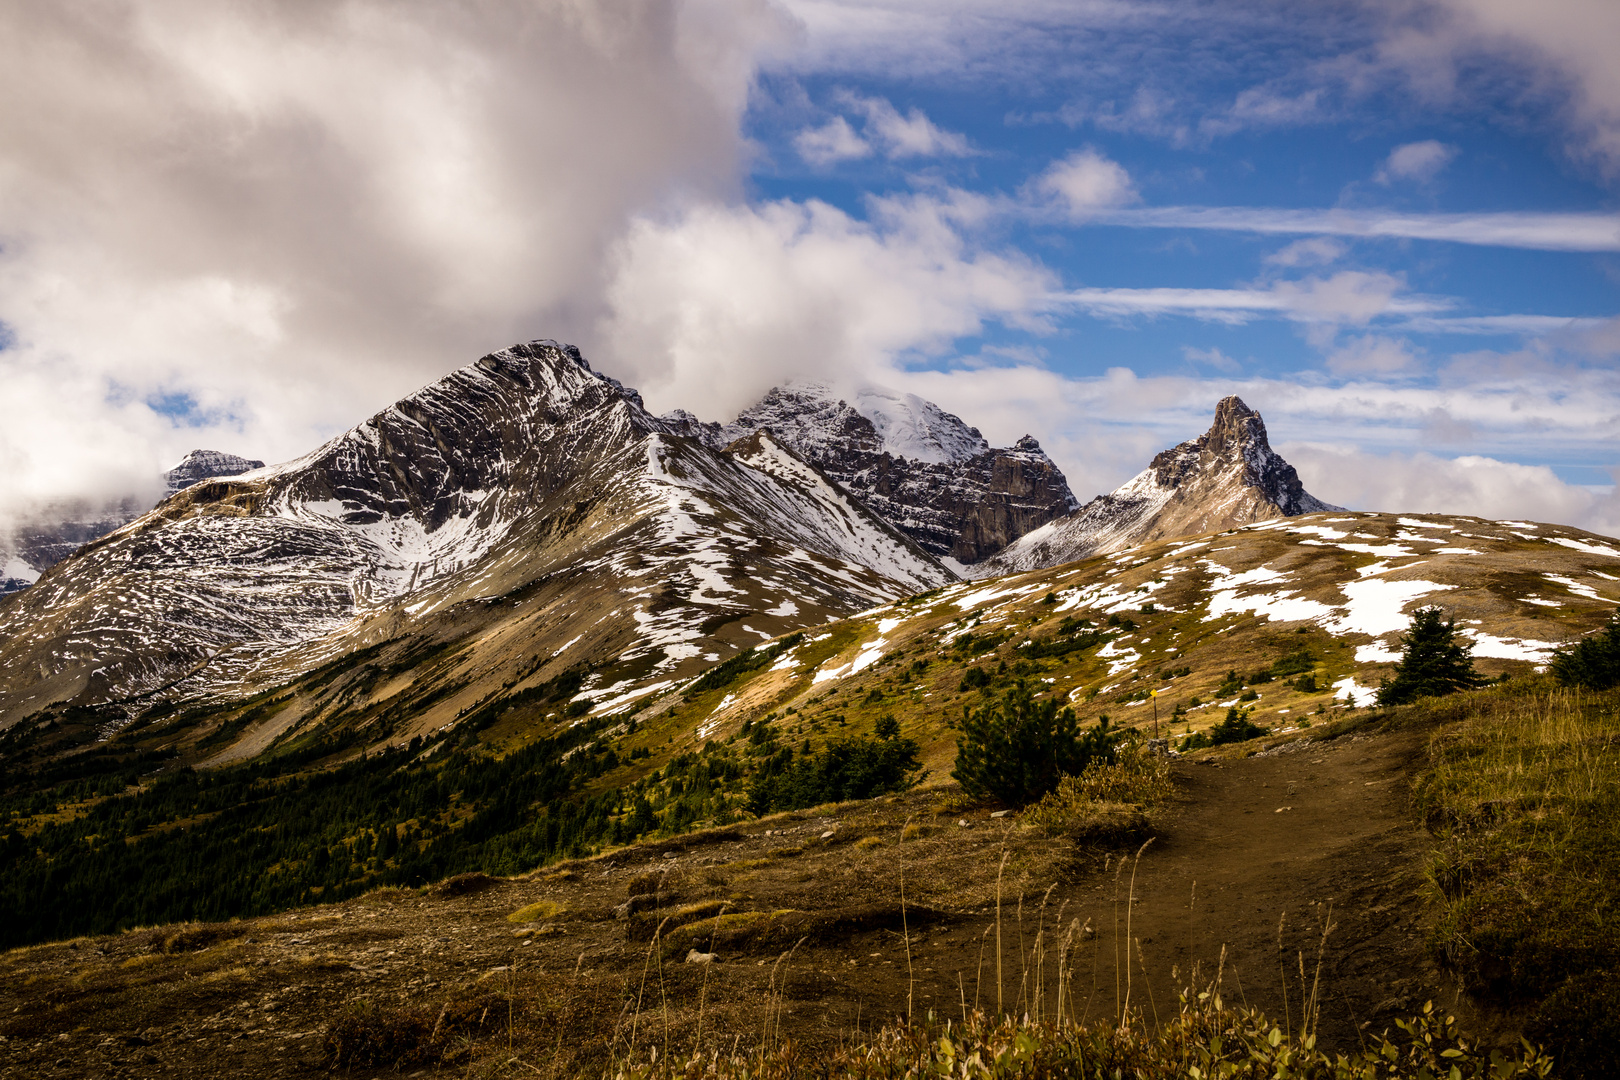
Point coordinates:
[[1227, 476]]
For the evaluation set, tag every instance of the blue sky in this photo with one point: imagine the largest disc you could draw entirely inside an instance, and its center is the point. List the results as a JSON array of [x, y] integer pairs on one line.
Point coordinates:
[[1242, 198], [1392, 225]]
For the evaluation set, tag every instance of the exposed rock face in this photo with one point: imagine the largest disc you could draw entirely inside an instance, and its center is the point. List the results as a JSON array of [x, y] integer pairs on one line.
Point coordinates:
[[1227, 477], [203, 464], [524, 500], [57, 531], [921, 468]]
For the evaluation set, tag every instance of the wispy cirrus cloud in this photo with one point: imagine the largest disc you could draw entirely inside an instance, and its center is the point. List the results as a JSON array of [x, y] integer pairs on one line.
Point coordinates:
[[1531, 230], [1350, 296]]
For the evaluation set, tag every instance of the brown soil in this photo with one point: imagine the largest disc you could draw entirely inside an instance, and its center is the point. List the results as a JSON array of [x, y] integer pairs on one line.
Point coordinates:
[[812, 944]]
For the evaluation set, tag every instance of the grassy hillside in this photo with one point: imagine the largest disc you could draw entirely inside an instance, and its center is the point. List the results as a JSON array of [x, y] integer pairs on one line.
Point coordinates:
[[156, 823]]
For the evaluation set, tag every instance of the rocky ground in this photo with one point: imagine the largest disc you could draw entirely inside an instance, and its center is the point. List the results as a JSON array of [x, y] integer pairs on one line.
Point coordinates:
[[561, 971]]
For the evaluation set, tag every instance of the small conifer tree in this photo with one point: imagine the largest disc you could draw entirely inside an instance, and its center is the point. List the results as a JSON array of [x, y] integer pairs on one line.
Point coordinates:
[[1017, 748], [1435, 661], [1593, 662]]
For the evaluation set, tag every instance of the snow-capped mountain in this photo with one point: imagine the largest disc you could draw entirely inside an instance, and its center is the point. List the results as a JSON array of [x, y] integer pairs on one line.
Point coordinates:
[[523, 499], [54, 532], [204, 465], [1227, 477], [919, 467]]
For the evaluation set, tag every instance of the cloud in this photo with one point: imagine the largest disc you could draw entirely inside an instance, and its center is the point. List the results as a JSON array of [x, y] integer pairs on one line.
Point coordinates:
[[1313, 251], [1426, 483], [1565, 46], [1350, 296], [1265, 107], [1086, 182], [1420, 161], [297, 213], [1513, 229], [911, 135], [832, 142], [1373, 354], [712, 307]]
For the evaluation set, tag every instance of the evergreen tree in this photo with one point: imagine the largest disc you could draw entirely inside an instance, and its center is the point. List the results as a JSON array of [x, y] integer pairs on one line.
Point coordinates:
[[1593, 662], [1016, 749], [1434, 661]]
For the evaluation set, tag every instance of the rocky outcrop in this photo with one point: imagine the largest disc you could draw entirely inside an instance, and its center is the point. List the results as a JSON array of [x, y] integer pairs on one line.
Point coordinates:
[[1227, 477], [919, 467]]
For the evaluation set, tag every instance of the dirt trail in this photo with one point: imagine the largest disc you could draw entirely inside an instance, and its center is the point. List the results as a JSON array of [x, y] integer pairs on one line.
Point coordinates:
[[1264, 850]]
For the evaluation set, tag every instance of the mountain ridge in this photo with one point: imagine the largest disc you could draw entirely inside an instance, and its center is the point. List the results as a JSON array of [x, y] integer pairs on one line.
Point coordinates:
[[522, 468]]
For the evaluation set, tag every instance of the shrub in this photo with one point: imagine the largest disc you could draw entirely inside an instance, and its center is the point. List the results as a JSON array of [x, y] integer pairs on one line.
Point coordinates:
[[1295, 662], [1237, 727], [1434, 662], [1016, 749], [1092, 804], [1593, 662], [974, 679]]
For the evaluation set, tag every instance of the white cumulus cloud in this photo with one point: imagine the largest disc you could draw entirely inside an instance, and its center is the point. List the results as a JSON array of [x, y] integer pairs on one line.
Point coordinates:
[[832, 142], [1086, 182], [712, 307], [286, 216], [1420, 161]]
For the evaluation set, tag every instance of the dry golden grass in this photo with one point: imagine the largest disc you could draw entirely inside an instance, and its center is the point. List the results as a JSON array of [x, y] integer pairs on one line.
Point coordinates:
[[1107, 798], [540, 909]]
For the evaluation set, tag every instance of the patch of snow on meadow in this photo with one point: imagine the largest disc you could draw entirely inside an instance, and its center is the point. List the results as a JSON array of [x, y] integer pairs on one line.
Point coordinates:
[[1375, 606], [870, 654], [1362, 696], [1583, 546], [1490, 646], [1579, 588], [1376, 652]]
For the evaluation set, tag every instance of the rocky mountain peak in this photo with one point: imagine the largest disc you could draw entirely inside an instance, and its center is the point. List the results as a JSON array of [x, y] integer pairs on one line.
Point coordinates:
[[1226, 477], [1236, 440], [921, 469], [204, 464]]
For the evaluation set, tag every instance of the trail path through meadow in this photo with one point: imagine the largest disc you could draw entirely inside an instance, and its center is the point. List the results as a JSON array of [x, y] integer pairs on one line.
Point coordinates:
[[1267, 849]]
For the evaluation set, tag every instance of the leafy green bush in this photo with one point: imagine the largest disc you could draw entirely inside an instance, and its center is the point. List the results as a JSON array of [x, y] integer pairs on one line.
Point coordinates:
[[1294, 663], [1593, 662], [1434, 661], [1017, 748]]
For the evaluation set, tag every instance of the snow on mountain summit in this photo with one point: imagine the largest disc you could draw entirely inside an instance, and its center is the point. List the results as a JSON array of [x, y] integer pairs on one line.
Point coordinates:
[[917, 466], [206, 464]]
